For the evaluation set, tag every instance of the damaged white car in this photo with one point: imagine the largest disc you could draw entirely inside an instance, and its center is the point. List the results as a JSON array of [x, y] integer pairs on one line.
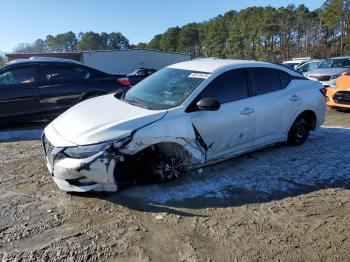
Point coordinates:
[[184, 116]]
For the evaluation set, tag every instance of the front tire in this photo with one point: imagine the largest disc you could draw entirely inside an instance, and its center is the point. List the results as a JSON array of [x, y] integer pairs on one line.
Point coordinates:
[[300, 131]]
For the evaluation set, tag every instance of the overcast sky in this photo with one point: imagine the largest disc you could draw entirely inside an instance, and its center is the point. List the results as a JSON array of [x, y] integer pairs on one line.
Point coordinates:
[[24, 21]]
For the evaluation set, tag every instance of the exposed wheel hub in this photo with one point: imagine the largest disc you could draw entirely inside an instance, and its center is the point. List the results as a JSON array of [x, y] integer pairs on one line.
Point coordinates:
[[168, 169]]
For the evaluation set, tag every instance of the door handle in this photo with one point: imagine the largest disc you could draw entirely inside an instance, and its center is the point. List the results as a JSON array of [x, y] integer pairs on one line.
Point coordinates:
[[247, 111], [294, 98]]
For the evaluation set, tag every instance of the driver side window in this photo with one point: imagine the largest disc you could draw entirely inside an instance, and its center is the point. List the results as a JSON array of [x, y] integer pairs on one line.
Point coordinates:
[[21, 75], [227, 87]]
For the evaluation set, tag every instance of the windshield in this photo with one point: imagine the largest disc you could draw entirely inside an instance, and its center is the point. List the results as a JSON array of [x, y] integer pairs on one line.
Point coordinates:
[[335, 63], [164, 89]]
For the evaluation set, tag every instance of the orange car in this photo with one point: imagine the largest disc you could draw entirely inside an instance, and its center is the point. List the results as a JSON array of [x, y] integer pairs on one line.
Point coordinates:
[[339, 97]]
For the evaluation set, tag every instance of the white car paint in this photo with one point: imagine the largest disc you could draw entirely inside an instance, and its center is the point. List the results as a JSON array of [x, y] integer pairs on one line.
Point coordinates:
[[254, 122], [101, 119]]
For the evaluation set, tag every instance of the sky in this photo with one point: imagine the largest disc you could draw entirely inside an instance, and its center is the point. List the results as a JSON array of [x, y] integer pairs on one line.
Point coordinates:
[[24, 21]]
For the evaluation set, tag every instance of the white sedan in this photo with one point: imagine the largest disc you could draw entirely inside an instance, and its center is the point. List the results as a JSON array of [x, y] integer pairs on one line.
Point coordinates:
[[184, 116]]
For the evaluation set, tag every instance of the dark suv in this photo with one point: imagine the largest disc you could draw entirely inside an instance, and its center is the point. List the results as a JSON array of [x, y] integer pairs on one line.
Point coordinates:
[[42, 88]]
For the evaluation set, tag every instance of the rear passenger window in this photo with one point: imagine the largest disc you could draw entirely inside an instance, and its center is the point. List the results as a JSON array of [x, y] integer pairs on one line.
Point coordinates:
[[227, 87], [62, 73], [265, 80], [285, 79]]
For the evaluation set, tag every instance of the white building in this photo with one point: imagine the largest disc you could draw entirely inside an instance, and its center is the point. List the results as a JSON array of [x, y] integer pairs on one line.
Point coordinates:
[[118, 61], [126, 61]]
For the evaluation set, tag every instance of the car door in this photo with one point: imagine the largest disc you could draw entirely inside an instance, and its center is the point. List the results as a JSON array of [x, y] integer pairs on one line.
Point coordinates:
[[230, 129], [61, 85], [275, 104], [18, 91]]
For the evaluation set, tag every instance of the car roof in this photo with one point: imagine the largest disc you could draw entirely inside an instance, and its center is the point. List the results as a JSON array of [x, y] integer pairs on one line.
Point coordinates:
[[293, 62], [43, 60], [314, 60], [209, 65], [340, 57]]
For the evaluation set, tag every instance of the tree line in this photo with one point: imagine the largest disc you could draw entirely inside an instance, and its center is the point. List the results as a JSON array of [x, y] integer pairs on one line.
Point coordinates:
[[262, 33], [70, 42]]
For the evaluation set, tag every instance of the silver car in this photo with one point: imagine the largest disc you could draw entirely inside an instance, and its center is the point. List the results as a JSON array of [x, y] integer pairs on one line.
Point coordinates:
[[329, 70]]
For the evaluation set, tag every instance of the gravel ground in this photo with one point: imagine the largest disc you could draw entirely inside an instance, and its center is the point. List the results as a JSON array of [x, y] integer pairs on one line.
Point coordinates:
[[286, 204]]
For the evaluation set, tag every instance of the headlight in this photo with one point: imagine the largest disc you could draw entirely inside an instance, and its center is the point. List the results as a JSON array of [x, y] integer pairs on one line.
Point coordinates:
[[332, 84], [90, 150]]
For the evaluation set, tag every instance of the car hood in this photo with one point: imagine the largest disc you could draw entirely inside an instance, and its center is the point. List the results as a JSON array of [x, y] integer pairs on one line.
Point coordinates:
[[343, 83], [102, 119], [326, 71]]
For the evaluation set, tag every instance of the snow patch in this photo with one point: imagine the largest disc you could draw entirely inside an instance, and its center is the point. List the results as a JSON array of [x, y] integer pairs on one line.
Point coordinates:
[[322, 161]]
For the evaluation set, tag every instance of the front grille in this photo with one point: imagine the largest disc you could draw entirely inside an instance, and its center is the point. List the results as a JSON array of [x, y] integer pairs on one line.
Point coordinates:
[[322, 78], [342, 97]]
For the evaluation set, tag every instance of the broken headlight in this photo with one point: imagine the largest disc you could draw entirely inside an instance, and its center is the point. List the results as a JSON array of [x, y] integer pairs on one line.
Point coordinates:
[[90, 150]]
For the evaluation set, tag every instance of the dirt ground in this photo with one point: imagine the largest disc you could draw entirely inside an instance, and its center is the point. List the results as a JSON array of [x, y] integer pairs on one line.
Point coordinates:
[[252, 208]]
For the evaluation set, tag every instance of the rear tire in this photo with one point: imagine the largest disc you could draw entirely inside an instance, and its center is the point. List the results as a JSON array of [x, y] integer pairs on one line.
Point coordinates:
[[300, 130]]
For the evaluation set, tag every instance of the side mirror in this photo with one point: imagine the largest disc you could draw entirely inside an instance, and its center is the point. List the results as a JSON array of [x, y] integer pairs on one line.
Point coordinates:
[[208, 104]]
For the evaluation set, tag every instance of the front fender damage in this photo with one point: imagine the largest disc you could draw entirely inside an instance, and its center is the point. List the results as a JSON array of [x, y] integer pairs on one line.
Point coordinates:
[[180, 132], [102, 171]]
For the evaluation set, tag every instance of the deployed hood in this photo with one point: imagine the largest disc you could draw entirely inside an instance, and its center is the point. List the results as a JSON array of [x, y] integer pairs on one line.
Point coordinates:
[[102, 119], [326, 71]]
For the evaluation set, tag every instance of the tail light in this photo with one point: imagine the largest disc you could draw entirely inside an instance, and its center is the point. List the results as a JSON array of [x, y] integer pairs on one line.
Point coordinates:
[[324, 91], [124, 81]]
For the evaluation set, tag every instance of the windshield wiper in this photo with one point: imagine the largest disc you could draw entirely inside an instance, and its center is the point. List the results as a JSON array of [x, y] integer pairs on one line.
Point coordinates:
[[136, 102]]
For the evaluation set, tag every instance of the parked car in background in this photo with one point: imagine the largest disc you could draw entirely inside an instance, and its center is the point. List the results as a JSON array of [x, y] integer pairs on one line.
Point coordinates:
[[184, 116], [339, 96], [309, 65], [40, 88], [329, 70], [296, 62], [138, 75]]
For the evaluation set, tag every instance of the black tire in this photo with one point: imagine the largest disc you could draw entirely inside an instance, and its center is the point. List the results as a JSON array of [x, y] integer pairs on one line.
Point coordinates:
[[300, 130]]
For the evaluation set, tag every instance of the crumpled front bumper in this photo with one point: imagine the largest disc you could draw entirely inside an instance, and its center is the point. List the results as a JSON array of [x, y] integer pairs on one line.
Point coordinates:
[[95, 173]]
